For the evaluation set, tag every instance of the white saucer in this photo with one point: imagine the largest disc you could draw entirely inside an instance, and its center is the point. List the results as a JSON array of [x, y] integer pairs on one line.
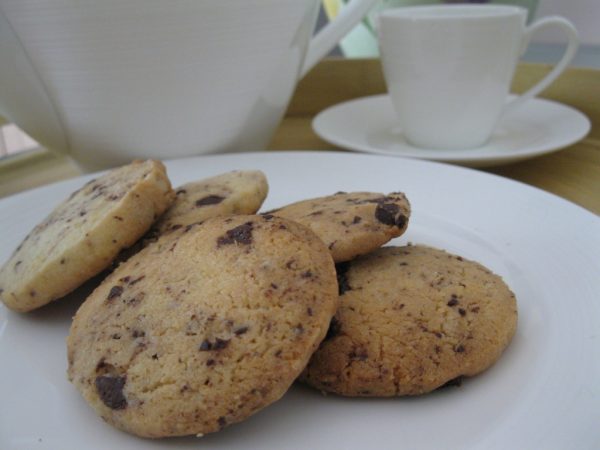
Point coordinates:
[[369, 125]]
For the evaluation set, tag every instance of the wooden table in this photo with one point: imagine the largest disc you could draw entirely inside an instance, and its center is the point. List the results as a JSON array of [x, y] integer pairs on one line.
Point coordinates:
[[572, 173]]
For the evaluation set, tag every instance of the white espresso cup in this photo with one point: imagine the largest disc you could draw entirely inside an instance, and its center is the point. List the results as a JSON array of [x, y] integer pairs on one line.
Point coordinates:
[[448, 68], [106, 81]]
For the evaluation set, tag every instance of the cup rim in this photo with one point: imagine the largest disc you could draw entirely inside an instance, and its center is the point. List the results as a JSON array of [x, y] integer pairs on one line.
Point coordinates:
[[452, 12]]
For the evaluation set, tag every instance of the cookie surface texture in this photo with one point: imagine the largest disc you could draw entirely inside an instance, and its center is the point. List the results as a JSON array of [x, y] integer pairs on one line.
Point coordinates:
[[83, 234], [412, 319], [203, 329], [354, 223]]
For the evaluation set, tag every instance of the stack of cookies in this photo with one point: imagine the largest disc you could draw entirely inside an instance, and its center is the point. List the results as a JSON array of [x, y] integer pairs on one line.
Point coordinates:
[[208, 311]]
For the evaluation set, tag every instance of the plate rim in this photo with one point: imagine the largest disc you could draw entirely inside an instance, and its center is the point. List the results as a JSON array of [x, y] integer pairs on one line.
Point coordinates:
[[310, 155]]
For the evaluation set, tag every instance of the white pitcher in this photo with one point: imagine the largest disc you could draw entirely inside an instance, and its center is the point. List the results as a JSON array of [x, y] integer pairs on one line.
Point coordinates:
[[107, 81]]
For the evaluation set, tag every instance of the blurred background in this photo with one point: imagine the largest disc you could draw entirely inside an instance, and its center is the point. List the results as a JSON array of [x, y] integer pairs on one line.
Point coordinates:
[[545, 48], [361, 42]]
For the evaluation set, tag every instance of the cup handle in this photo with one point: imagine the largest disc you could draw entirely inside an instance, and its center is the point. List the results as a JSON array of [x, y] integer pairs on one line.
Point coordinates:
[[572, 44], [330, 35]]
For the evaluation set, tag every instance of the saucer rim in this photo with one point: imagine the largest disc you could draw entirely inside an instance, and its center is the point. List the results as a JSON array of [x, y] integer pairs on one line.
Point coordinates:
[[477, 159]]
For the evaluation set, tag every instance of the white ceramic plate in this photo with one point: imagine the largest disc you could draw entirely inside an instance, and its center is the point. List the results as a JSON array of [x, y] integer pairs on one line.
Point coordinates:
[[369, 125], [543, 393]]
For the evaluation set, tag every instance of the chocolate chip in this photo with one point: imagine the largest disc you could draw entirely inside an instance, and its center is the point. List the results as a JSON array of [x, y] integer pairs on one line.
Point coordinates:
[[119, 218], [180, 191], [115, 292], [110, 390], [462, 312], [309, 311], [241, 234], [307, 274], [459, 348], [210, 362], [138, 333], [209, 200], [218, 344], [386, 213], [222, 422], [268, 216], [155, 356], [240, 331], [357, 219], [452, 302]]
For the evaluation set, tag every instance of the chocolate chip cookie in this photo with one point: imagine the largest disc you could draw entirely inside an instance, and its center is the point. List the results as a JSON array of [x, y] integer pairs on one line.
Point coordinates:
[[204, 327], [84, 233], [410, 320], [354, 223], [236, 192]]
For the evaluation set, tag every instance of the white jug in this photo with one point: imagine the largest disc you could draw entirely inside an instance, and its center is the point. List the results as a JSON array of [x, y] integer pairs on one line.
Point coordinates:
[[112, 80]]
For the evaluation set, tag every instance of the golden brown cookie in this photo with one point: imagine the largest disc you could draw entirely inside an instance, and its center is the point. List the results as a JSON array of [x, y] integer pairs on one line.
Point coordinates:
[[236, 192], [410, 320], [84, 233], [204, 327], [351, 223]]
